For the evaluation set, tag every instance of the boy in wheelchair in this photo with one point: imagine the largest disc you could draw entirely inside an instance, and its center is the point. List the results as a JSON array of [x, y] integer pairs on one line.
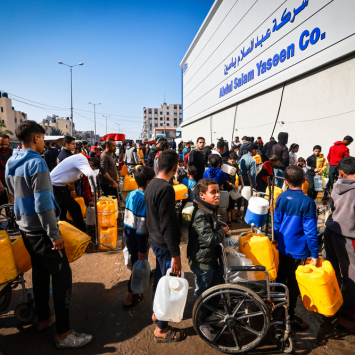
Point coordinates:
[[206, 232], [295, 226]]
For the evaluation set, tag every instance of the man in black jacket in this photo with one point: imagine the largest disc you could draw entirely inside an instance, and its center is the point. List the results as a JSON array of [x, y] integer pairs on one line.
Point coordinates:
[[243, 149], [207, 152], [163, 227], [197, 158], [313, 171], [153, 151], [280, 149], [225, 154], [267, 149]]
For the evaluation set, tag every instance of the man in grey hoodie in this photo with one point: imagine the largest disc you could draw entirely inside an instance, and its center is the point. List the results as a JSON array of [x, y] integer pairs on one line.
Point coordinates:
[[339, 239]]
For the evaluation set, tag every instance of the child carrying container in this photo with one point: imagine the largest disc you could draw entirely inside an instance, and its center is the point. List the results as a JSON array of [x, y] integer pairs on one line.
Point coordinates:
[[295, 226], [205, 233], [135, 234]]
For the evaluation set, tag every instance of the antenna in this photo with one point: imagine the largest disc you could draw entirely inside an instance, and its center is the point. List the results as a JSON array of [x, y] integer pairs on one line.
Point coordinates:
[[164, 98]]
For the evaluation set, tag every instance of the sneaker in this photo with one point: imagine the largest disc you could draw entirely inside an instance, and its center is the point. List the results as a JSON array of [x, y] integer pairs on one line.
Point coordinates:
[[208, 332], [74, 340]]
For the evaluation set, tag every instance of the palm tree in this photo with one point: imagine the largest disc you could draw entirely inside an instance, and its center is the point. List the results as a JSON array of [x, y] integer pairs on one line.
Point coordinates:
[[5, 131], [57, 132]]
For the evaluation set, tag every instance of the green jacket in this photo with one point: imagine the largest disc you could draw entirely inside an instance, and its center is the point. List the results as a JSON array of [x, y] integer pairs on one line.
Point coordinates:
[[205, 233]]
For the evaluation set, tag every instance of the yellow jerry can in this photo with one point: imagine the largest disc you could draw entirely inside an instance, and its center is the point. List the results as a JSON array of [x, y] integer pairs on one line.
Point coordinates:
[[8, 269], [75, 241], [319, 288], [108, 238], [81, 202], [22, 257], [111, 198], [260, 251], [181, 192], [106, 213]]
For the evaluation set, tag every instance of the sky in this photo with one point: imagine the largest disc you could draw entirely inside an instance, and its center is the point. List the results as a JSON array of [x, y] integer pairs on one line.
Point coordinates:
[[131, 52]]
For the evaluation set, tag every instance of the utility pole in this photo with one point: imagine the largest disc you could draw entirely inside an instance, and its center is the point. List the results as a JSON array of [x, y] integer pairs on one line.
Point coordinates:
[[106, 120], [95, 116]]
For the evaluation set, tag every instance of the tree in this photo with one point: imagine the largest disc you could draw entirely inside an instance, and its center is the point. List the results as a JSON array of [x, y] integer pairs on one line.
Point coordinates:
[[5, 131], [57, 132]]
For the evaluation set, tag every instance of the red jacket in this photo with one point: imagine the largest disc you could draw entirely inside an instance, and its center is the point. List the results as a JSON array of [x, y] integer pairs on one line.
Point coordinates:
[[337, 152]]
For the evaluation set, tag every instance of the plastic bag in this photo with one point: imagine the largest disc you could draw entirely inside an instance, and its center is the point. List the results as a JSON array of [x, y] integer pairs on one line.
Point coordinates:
[[127, 258]]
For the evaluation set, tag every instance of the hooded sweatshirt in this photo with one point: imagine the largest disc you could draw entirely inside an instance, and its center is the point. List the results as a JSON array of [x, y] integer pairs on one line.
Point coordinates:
[[337, 152], [342, 220], [280, 149], [197, 159], [131, 157], [28, 179], [151, 155]]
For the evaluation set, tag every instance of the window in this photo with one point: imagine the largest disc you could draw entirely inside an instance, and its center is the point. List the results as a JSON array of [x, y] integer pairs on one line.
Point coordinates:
[[150, 111], [161, 125], [175, 113], [168, 124], [15, 120], [2, 109], [175, 107], [66, 126], [156, 111], [21, 120], [167, 113], [161, 118], [150, 126], [156, 125], [161, 112], [167, 118]]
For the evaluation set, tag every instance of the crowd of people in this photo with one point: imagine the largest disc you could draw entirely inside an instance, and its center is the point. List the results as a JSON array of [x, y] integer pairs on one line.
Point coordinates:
[[45, 191]]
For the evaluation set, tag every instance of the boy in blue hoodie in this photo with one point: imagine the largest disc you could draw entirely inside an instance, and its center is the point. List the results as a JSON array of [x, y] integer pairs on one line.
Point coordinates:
[[135, 234], [28, 179], [295, 226]]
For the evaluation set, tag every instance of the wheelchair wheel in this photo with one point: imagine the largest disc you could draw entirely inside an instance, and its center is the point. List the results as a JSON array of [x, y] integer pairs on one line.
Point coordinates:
[[25, 312], [231, 318], [277, 334]]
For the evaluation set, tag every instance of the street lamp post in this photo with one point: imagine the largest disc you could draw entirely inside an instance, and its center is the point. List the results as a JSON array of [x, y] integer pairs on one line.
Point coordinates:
[[106, 120], [71, 93], [119, 125], [95, 116]]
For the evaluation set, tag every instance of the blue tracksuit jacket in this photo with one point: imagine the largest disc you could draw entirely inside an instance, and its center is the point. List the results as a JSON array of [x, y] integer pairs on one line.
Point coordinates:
[[295, 225]]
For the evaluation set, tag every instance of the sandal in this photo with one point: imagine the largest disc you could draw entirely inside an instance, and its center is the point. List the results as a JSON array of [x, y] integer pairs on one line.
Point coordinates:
[[299, 324], [136, 299], [170, 336]]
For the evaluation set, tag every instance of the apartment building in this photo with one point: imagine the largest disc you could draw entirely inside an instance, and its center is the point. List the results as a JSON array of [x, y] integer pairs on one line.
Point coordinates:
[[9, 116], [168, 115], [54, 122], [89, 136]]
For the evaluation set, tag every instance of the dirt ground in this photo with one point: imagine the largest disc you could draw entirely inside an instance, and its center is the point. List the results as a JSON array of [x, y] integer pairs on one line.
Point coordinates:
[[99, 290]]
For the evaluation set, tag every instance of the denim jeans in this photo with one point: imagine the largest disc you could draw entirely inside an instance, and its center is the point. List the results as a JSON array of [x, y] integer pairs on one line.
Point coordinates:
[[281, 173], [333, 175], [204, 279]]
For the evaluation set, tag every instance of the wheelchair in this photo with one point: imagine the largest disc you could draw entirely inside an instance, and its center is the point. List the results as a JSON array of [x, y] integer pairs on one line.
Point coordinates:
[[234, 317]]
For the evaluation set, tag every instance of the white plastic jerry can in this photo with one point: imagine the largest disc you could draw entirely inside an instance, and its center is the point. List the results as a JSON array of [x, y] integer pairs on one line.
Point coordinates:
[[170, 297]]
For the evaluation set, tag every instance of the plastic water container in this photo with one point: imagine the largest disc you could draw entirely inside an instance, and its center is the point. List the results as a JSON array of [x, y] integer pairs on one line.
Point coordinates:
[[124, 171], [230, 242], [246, 193], [318, 183], [140, 276], [111, 198], [8, 269], [106, 213], [129, 183], [223, 199], [319, 288], [90, 216], [75, 241], [108, 237], [235, 194], [238, 259], [257, 211], [258, 159], [277, 192], [260, 251], [22, 257], [188, 211], [181, 192], [81, 202], [228, 169], [170, 298]]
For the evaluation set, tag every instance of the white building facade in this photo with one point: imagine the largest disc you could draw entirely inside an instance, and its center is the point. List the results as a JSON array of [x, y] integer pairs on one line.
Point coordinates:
[[258, 68]]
